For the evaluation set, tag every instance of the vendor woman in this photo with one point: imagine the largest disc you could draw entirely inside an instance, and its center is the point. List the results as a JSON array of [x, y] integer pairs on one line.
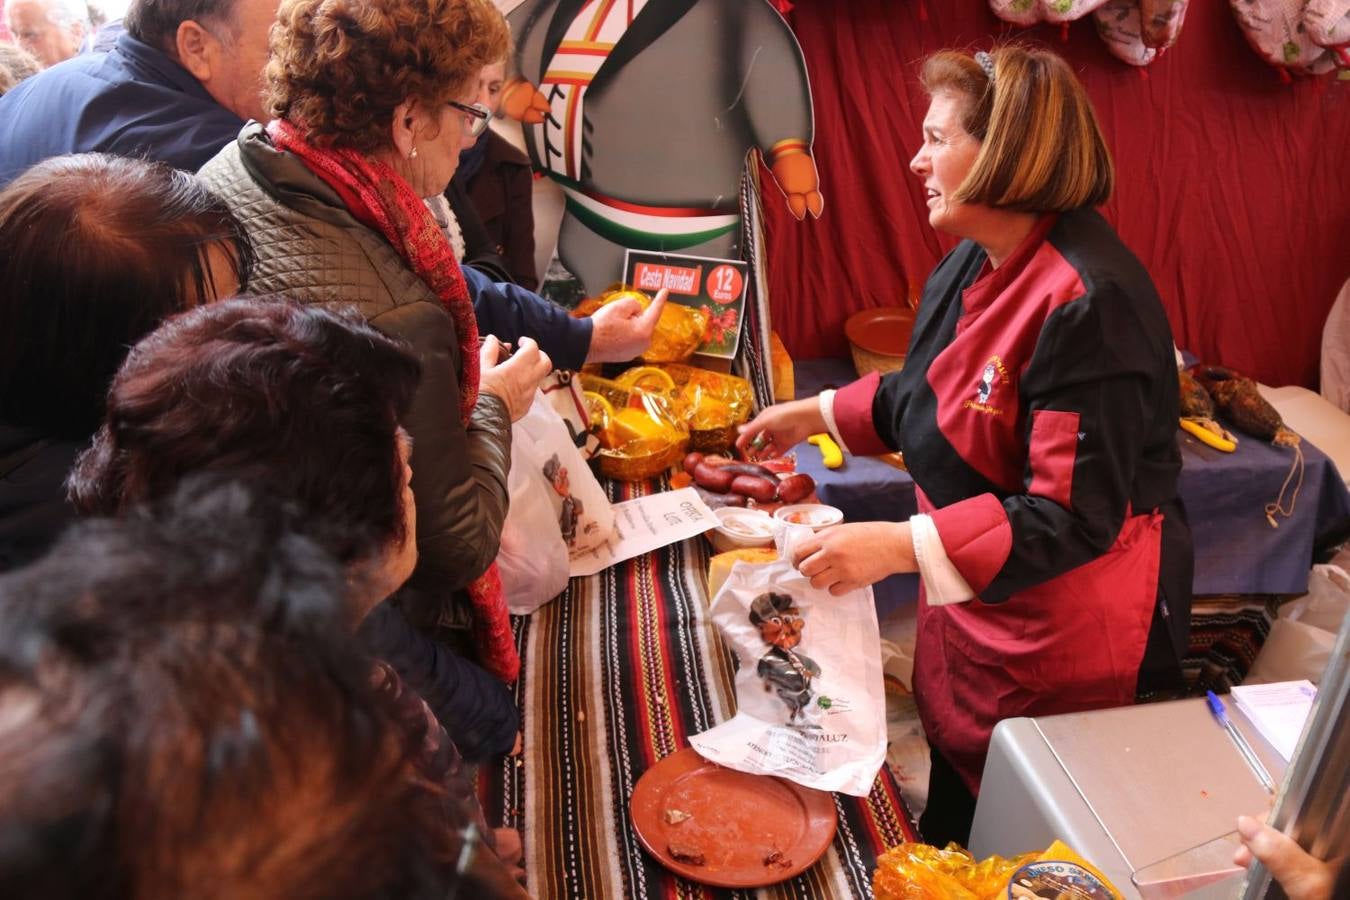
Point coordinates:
[[1037, 413]]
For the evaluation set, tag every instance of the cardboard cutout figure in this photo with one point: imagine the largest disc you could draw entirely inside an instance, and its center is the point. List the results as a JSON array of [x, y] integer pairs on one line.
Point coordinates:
[[643, 111]]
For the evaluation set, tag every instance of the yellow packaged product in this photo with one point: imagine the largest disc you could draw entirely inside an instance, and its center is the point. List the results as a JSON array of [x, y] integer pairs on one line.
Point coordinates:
[[712, 403], [923, 872], [1061, 872], [640, 429]]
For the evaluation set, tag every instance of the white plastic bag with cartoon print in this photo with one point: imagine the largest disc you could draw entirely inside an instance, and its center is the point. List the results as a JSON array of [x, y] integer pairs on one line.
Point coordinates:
[[557, 506], [532, 559], [810, 700], [580, 506]]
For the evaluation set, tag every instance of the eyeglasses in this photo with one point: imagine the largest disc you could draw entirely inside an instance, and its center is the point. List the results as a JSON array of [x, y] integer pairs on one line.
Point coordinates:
[[478, 116]]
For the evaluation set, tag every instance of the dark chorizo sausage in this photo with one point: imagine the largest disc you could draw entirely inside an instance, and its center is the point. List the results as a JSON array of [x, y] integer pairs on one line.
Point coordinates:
[[743, 468], [717, 501], [713, 479], [795, 488], [756, 487]]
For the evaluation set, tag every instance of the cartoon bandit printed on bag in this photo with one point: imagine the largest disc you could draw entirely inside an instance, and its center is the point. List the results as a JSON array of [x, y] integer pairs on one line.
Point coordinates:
[[572, 509], [644, 111], [788, 673], [810, 706]]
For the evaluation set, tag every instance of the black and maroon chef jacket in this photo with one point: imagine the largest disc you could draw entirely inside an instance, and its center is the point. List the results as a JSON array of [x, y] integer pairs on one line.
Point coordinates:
[[1037, 413]]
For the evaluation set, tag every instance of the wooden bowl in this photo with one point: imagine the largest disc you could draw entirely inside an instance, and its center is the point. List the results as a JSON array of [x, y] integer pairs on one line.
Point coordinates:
[[879, 337]]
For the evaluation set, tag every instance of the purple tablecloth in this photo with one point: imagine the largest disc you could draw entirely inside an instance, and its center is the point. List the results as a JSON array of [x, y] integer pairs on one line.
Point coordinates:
[[1236, 550]]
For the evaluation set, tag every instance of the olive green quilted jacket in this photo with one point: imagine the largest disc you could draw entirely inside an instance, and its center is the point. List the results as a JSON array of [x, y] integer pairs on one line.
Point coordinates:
[[310, 249]]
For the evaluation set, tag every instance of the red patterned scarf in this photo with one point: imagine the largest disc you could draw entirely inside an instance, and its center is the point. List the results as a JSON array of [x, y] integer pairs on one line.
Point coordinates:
[[384, 202]]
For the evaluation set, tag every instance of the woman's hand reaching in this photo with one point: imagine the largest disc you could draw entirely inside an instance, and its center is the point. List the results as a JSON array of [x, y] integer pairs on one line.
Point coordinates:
[[516, 379], [777, 429]]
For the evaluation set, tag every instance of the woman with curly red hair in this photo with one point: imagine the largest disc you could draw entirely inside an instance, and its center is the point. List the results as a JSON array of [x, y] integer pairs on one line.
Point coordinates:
[[372, 102]]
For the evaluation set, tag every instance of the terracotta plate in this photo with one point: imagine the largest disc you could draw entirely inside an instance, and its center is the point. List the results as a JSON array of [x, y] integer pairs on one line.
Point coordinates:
[[884, 330], [734, 820]]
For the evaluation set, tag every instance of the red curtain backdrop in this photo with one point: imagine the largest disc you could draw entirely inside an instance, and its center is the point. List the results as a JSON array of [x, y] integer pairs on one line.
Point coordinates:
[[1232, 186]]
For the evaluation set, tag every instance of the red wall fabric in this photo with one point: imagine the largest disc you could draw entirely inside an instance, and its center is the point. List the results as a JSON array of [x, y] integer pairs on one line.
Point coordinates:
[[1231, 185]]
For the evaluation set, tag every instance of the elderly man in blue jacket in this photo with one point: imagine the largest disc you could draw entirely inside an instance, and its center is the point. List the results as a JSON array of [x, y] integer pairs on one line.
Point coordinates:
[[178, 86], [174, 88]]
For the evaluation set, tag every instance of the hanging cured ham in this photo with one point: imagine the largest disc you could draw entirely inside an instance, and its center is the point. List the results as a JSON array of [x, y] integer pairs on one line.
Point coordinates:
[[1119, 24], [1328, 25], [1029, 12], [1275, 29], [1160, 22]]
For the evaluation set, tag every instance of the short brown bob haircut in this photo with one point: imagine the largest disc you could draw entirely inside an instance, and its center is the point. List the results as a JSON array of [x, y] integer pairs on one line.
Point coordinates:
[[339, 68], [1040, 147]]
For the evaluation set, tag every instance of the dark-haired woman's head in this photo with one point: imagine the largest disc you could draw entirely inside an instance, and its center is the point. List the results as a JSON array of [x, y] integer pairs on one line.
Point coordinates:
[[183, 715], [299, 400], [97, 251]]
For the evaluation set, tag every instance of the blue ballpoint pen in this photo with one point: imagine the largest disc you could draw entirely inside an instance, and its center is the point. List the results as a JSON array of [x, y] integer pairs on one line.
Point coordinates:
[[1216, 706]]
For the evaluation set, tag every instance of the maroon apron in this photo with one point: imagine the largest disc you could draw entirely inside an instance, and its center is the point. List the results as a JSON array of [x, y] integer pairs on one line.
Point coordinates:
[[1072, 643]]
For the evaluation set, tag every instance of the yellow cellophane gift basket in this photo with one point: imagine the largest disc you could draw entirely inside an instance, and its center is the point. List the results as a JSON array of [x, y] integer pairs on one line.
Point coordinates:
[[641, 429], [678, 333], [924, 872], [713, 404], [913, 871]]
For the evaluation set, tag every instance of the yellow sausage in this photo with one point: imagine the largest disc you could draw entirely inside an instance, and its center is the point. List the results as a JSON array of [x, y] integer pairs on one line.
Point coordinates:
[[830, 453], [1208, 437]]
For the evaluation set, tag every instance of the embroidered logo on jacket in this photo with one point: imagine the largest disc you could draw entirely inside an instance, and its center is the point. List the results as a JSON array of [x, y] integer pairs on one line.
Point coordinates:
[[994, 374]]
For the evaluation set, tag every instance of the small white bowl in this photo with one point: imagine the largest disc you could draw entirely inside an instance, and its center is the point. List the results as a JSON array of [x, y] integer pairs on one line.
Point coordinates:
[[817, 515], [742, 528]]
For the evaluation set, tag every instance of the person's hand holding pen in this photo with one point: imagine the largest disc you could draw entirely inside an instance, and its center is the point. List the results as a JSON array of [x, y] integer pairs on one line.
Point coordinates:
[[779, 428]]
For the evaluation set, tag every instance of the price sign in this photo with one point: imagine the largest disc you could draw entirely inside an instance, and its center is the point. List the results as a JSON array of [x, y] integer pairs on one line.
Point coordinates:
[[716, 286]]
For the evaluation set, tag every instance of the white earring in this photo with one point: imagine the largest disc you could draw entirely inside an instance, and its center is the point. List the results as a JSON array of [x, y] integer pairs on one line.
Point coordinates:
[[412, 154]]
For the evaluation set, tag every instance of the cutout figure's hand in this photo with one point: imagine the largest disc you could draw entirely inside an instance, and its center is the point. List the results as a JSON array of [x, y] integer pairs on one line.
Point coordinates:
[[523, 102], [797, 177]]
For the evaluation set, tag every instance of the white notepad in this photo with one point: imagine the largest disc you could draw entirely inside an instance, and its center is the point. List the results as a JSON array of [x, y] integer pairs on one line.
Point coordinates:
[[1277, 710]]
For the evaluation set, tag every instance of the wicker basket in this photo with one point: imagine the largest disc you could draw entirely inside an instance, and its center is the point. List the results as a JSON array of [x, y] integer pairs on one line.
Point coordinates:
[[712, 440], [865, 361], [639, 468]]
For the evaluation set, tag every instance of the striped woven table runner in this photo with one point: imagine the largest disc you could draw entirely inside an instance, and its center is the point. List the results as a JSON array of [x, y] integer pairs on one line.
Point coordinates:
[[618, 671]]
